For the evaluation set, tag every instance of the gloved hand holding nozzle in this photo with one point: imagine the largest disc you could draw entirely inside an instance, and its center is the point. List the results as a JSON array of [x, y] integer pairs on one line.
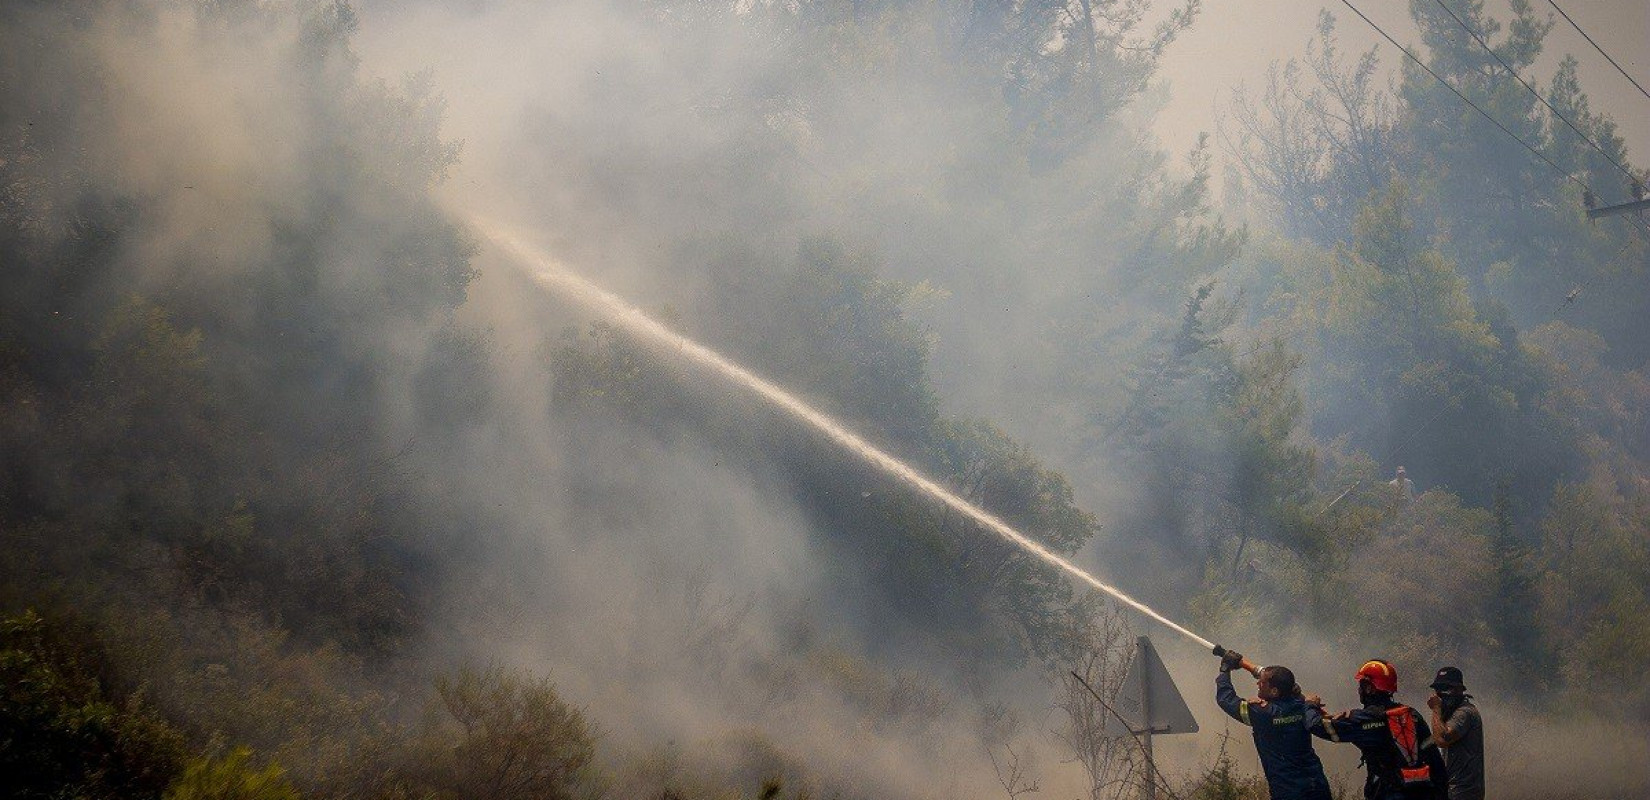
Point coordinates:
[[1232, 659]]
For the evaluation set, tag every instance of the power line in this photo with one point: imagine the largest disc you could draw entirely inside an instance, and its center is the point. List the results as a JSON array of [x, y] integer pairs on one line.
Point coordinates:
[[1631, 178], [1569, 299], [1599, 49], [1457, 92], [1481, 112], [1515, 137]]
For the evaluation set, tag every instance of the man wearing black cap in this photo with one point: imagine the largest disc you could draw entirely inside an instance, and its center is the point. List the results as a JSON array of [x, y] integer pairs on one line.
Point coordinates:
[[1459, 731]]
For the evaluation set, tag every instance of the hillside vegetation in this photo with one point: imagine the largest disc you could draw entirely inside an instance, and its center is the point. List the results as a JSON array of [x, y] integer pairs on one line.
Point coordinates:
[[291, 507]]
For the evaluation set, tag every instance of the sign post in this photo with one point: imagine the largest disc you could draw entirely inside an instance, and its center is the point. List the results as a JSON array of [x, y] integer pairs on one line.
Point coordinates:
[[1150, 703], [1144, 650]]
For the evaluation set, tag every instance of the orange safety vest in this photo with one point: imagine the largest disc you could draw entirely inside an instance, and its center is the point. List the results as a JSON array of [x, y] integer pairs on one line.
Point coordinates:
[[1400, 720]]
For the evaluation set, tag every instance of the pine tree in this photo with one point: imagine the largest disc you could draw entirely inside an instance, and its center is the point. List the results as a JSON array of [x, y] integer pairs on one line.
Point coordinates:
[[1515, 592]]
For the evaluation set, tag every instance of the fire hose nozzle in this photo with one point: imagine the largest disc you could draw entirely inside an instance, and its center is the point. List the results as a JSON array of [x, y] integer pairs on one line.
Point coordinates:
[[1246, 664]]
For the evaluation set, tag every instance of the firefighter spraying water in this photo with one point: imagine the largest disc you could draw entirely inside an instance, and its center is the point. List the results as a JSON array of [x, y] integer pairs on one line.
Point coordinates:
[[1280, 720]]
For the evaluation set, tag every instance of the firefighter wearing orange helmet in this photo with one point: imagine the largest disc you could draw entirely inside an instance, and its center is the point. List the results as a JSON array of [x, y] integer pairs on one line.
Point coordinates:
[[1401, 760]]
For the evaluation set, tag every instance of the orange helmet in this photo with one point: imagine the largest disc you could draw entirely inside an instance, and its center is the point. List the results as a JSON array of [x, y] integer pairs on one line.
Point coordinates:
[[1380, 675]]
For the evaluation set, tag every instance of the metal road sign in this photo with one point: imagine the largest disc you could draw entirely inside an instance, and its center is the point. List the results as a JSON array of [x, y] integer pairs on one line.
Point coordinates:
[[1149, 699]]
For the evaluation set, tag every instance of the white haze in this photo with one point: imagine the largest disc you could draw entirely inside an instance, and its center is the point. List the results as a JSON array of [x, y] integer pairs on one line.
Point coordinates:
[[573, 119], [634, 120]]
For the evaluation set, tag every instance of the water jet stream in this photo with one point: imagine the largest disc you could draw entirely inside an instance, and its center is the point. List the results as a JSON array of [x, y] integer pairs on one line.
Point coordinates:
[[633, 319]]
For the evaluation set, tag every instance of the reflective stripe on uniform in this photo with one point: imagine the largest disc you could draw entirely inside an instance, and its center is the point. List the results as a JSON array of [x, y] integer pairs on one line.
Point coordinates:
[[1243, 711]]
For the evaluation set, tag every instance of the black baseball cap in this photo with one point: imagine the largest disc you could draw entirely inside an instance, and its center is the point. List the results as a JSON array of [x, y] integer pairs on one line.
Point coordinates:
[[1448, 678]]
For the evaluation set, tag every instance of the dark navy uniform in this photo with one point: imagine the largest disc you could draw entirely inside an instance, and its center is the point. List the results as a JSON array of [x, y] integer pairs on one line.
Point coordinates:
[[1367, 729], [1293, 771]]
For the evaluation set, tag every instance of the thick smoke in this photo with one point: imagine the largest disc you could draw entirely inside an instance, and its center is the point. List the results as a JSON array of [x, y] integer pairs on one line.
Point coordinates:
[[280, 210], [675, 583], [632, 144]]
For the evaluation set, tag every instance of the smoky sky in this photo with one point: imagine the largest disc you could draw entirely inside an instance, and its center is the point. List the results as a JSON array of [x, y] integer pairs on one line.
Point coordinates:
[[1234, 43]]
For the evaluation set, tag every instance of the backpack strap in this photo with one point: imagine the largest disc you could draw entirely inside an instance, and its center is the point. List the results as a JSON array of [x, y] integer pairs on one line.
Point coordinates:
[[1413, 774], [1400, 721]]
